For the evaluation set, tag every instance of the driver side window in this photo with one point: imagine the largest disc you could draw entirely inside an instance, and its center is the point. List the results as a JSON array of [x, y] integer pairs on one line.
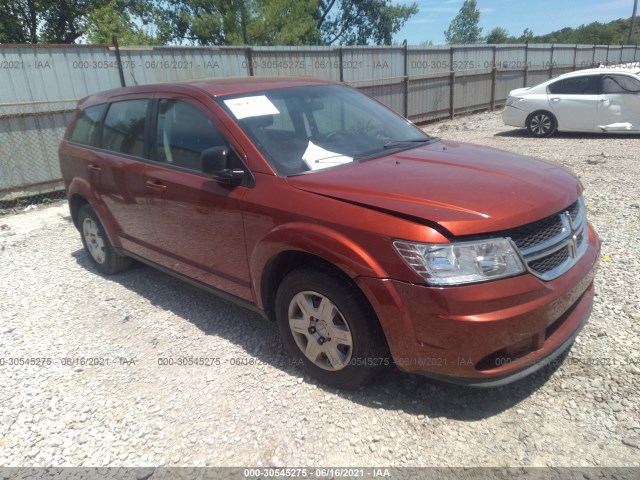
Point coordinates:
[[183, 133]]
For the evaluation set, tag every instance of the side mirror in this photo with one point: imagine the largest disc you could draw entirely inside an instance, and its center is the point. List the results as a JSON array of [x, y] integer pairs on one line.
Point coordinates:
[[214, 162]]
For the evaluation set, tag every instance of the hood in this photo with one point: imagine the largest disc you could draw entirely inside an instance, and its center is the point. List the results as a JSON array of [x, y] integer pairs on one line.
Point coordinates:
[[466, 189]]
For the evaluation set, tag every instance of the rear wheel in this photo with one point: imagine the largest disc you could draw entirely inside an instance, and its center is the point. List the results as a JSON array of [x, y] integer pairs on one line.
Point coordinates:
[[97, 245], [328, 327], [542, 124]]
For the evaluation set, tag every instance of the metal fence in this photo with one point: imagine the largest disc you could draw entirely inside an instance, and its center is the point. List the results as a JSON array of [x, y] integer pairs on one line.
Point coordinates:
[[40, 85]]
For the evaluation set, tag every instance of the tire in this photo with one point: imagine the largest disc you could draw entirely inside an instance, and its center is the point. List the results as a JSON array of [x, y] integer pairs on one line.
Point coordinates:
[[97, 245], [542, 124], [339, 341]]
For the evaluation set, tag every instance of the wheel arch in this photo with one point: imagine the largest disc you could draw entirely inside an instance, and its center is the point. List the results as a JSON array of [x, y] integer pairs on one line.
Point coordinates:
[[285, 262], [80, 193], [296, 246]]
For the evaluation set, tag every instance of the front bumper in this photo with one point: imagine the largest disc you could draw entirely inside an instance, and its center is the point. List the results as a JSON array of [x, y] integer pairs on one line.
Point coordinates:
[[514, 117], [488, 334]]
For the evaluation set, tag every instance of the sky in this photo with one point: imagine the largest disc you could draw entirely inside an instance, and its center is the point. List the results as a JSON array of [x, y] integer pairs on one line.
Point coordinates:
[[541, 16]]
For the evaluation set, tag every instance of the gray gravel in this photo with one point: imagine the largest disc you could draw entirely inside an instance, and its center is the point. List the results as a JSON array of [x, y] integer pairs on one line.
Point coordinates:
[[251, 407]]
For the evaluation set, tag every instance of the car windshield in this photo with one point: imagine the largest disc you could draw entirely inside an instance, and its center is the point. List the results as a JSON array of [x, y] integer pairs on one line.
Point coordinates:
[[311, 128]]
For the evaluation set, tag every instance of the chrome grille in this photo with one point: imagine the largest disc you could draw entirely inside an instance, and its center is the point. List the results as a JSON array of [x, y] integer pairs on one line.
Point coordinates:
[[551, 246]]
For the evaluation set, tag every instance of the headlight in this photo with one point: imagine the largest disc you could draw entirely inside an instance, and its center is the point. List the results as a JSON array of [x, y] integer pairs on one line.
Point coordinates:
[[513, 100], [463, 262]]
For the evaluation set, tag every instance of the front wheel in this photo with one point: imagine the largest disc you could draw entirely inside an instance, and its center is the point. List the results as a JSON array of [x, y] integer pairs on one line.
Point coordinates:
[[96, 243], [542, 124], [327, 326]]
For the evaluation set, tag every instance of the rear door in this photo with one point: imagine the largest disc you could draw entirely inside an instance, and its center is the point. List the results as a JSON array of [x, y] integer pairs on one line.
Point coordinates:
[[574, 102], [619, 107], [198, 220], [121, 169]]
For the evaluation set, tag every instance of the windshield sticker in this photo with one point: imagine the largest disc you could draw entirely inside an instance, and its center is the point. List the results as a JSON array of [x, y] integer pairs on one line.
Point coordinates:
[[246, 107], [318, 158]]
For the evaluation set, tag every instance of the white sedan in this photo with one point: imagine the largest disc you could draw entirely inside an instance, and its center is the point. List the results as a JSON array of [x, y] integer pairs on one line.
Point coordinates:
[[593, 100]]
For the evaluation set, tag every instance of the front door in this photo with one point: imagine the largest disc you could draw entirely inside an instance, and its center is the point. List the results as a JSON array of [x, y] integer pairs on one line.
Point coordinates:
[[198, 220], [574, 102]]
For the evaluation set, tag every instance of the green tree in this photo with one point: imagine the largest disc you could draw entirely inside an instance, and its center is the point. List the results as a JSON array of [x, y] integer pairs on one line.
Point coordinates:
[[285, 22], [238, 22], [464, 27], [19, 20], [65, 21], [498, 35], [527, 36], [110, 19], [360, 22]]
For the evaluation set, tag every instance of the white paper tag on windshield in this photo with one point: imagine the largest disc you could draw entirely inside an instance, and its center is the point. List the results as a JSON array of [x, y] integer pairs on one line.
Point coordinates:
[[318, 158], [255, 106]]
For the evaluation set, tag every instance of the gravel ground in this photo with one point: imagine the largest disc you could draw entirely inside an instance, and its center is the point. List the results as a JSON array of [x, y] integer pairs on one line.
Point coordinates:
[[251, 407]]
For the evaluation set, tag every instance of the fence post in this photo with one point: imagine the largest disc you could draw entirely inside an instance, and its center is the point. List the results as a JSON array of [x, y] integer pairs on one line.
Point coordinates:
[[575, 56], [526, 64], [494, 73], [551, 62], [593, 57], [340, 61], [406, 79], [114, 39], [452, 88], [249, 54], [607, 61]]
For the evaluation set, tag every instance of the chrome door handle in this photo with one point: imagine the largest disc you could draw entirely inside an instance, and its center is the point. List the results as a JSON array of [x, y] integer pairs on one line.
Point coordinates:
[[555, 100]]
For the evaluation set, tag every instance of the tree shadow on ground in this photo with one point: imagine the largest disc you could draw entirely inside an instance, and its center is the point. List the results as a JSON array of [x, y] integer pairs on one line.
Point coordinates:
[[391, 390]]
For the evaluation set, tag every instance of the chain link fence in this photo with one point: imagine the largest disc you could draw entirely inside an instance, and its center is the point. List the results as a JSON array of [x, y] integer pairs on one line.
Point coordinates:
[[30, 133]]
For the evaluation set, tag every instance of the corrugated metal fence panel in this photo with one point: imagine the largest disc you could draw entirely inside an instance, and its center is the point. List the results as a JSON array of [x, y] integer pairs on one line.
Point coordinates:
[[316, 62], [143, 66], [539, 55], [507, 81], [430, 98], [563, 55], [476, 58], [55, 72], [584, 56], [472, 92], [511, 56], [615, 54], [601, 54], [428, 61], [534, 77], [629, 53], [361, 64]]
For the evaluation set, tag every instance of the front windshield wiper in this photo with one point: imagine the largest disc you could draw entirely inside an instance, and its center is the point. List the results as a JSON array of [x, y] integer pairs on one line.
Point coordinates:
[[396, 143]]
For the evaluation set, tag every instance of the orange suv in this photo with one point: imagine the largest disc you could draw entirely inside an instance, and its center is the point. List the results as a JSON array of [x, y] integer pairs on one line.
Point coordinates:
[[363, 238]]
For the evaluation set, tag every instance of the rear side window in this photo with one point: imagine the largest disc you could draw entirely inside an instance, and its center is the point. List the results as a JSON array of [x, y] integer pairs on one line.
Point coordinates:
[[184, 132], [123, 129], [620, 84], [87, 128], [587, 85]]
